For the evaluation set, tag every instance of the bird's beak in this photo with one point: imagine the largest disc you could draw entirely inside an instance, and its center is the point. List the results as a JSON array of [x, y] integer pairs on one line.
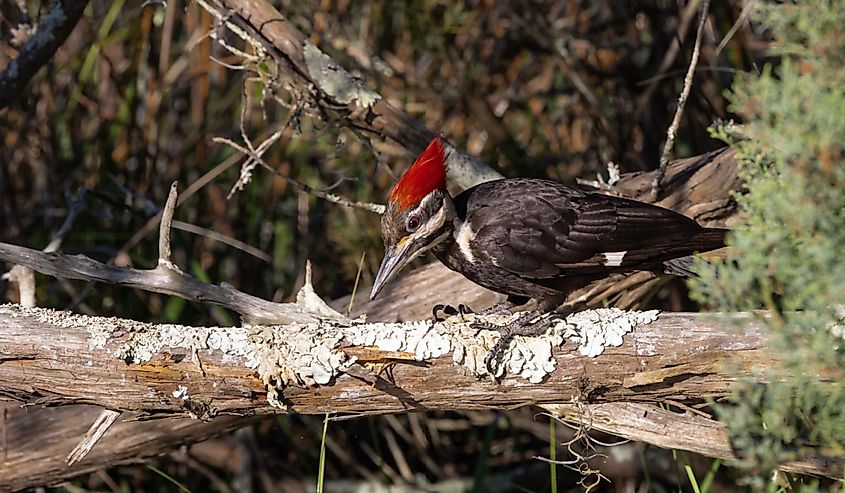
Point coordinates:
[[394, 259]]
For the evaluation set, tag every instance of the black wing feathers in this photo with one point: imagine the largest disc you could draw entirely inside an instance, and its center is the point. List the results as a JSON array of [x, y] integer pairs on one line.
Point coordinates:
[[542, 229]]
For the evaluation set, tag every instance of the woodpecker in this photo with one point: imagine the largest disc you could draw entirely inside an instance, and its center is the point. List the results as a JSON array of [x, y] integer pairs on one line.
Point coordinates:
[[530, 239]]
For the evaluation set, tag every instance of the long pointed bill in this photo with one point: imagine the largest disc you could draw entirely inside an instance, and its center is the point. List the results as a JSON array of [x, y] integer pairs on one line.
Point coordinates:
[[394, 259]]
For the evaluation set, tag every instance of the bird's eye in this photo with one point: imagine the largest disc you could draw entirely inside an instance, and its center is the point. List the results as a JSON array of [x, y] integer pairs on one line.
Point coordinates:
[[413, 223]]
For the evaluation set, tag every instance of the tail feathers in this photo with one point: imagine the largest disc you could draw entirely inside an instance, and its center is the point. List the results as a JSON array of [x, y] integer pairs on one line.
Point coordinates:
[[709, 239], [706, 240], [681, 267]]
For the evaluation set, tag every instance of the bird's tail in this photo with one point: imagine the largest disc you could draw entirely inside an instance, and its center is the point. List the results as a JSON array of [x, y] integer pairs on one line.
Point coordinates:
[[706, 240], [681, 267]]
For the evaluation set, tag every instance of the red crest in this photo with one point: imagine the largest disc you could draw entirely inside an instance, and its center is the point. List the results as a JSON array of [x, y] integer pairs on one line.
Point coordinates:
[[428, 173]]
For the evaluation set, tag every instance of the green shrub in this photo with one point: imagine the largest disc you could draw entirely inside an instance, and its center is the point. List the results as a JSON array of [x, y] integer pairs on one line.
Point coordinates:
[[788, 254]]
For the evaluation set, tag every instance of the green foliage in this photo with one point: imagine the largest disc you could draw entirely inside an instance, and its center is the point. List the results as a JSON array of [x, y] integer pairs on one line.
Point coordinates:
[[788, 254]]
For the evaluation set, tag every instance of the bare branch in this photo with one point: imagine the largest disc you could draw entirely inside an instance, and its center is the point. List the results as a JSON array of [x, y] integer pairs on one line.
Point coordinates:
[[75, 206], [331, 197], [228, 240], [158, 280], [329, 87], [39, 48], [682, 101]]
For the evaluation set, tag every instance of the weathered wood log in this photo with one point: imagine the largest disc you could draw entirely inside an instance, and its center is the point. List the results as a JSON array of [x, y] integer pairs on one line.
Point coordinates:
[[55, 359], [34, 441]]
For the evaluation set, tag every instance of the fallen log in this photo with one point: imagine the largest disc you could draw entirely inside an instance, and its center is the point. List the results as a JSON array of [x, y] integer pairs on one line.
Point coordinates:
[[58, 359]]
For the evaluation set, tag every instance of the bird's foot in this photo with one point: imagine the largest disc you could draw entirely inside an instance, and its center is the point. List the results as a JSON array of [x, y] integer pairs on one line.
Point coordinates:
[[500, 308], [449, 311], [527, 324]]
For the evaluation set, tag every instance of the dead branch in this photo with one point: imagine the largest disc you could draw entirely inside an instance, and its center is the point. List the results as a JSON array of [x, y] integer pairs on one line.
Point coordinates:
[[161, 279], [310, 73], [682, 101], [645, 422], [39, 48]]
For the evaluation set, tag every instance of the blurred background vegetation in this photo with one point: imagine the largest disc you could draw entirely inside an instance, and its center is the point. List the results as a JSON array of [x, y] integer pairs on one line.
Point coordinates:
[[552, 89]]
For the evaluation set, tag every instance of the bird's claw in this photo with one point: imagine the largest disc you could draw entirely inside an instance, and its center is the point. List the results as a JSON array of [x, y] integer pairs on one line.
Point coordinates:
[[449, 311], [525, 325]]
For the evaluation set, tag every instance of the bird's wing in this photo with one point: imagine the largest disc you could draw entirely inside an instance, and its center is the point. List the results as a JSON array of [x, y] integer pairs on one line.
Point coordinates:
[[550, 230]]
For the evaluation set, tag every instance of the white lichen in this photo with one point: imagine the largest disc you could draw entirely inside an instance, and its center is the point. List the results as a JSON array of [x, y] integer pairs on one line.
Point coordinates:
[[529, 357], [595, 330], [334, 80], [281, 355], [425, 339]]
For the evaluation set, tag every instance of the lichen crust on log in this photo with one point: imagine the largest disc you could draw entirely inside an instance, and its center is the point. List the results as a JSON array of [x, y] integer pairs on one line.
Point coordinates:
[[312, 354]]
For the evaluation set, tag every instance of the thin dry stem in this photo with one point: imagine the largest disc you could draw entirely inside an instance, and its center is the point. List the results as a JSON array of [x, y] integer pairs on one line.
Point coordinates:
[[682, 101], [164, 227], [331, 197], [99, 428]]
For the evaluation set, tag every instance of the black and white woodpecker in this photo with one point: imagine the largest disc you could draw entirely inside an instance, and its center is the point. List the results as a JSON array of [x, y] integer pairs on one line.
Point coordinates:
[[530, 238]]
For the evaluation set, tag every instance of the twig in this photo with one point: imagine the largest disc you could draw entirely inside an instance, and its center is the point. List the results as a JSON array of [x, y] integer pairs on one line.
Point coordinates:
[[334, 198], [743, 16], [164, 228], [682, 100], [668, 58], [75, 206], [39, 48], [99, 428], [228, 240]]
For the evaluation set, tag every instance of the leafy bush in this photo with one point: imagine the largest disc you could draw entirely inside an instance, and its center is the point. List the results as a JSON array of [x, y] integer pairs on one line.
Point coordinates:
[[788, 255]]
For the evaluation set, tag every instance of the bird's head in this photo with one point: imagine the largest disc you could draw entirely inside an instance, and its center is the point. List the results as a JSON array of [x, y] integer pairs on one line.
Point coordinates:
[[419, 213]]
